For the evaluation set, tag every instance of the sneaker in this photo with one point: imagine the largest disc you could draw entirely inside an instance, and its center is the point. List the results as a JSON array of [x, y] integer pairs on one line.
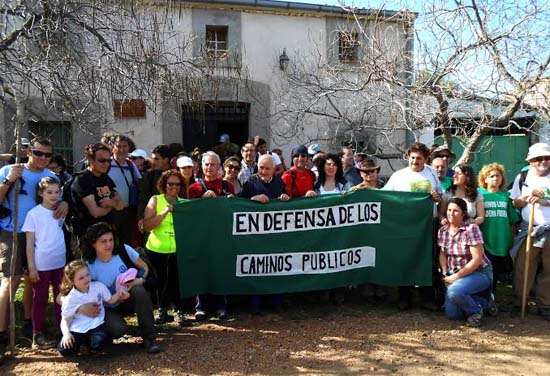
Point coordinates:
[[180, 318], [492, 310], [474, 320], [200, 315], [39, 341], [26, 330], [163, 317], [221, 313], [151, 346]]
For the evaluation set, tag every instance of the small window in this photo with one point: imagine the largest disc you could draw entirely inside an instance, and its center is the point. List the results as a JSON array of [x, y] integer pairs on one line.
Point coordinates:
[[129, 108], [216, 41], [348, 47]]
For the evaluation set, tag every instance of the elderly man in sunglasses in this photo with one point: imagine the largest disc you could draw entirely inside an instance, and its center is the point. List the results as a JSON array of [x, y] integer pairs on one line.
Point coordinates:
[[28, 175], [531, 191]]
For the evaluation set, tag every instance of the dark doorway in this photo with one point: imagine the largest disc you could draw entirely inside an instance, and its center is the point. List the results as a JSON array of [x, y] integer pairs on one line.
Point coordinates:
[[60, 134], [204, 123]]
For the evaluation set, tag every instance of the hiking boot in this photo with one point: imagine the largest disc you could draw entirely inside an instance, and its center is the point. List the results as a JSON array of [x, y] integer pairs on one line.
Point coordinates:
[[200, 315], [163, 317], [221, 313], [474, 320], [26, 329], [39, 341], [151, 346]]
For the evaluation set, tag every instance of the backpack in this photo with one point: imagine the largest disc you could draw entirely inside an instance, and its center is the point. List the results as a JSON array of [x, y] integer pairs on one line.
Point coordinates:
[[522, 177], [293, 175], [71, 220]]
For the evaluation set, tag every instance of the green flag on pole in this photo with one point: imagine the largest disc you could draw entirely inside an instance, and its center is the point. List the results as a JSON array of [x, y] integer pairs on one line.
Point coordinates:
[[236, 246]]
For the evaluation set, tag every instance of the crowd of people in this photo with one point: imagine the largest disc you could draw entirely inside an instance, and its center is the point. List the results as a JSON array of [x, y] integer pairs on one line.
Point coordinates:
[[104, 238]]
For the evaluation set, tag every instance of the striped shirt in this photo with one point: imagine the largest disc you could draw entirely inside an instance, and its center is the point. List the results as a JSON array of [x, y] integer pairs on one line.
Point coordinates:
[[457, 246]]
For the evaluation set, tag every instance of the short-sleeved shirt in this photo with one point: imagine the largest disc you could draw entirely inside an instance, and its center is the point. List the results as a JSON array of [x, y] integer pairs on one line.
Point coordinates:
[[457, 246], [81, 323], [87, 184], [106, 272], [499, 214], [26, 198], [256, 186], [532, 181], [49, 241], [298, 182], [407, 180], [117, 172]]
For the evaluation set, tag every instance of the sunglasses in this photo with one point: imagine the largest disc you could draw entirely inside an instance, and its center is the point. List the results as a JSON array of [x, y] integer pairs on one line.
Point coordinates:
[[540, 159], [39, 153], [170, 184], [103, 160], [232, 167]]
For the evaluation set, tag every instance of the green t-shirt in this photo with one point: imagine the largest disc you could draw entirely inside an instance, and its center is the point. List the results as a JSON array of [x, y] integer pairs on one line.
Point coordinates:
[[499, 214]]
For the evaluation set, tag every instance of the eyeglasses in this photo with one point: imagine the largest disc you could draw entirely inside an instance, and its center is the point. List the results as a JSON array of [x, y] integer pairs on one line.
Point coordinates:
[[103, 160], [39, 153], [170, 184], [540, 159], [233, 167]]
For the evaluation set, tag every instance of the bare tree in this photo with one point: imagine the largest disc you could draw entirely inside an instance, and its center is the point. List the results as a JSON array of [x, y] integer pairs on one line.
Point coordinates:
[[76, 58], [489, 51]]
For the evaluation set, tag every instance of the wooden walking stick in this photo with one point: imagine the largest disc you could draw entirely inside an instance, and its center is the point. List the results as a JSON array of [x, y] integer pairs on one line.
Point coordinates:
[[528, 244]]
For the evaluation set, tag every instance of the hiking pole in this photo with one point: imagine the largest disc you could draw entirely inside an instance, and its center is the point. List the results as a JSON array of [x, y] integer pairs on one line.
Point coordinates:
[[528, 244]]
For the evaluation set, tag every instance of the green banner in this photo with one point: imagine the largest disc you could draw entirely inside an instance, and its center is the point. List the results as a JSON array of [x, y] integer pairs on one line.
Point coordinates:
[[237, 246]]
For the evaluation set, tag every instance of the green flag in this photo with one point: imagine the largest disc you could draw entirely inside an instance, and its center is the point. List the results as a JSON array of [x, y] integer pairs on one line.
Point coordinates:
[[238, 246]]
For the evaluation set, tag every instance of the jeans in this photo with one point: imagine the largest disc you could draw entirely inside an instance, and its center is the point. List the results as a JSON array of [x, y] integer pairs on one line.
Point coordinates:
[[95, 339], [469, 294], [40, 298]]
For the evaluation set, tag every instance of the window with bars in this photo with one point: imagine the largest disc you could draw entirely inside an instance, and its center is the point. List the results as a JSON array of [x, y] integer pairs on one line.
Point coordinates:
[[348, 47], [216, 41]]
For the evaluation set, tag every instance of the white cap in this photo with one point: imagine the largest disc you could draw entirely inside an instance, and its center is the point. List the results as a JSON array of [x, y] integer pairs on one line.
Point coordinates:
[[313, 149], [139, 153], [184, 161], [540, 149]]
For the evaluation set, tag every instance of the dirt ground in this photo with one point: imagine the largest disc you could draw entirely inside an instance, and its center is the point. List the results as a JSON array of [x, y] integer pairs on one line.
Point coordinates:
[[318, 339]]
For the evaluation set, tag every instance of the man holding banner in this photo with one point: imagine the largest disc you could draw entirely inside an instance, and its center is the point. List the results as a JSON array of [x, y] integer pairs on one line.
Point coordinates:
[[211, 186], [418, 177], [263, 187]]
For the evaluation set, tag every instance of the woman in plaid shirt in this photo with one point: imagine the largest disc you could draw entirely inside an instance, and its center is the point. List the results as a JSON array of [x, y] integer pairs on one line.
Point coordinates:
[[467, 272]]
